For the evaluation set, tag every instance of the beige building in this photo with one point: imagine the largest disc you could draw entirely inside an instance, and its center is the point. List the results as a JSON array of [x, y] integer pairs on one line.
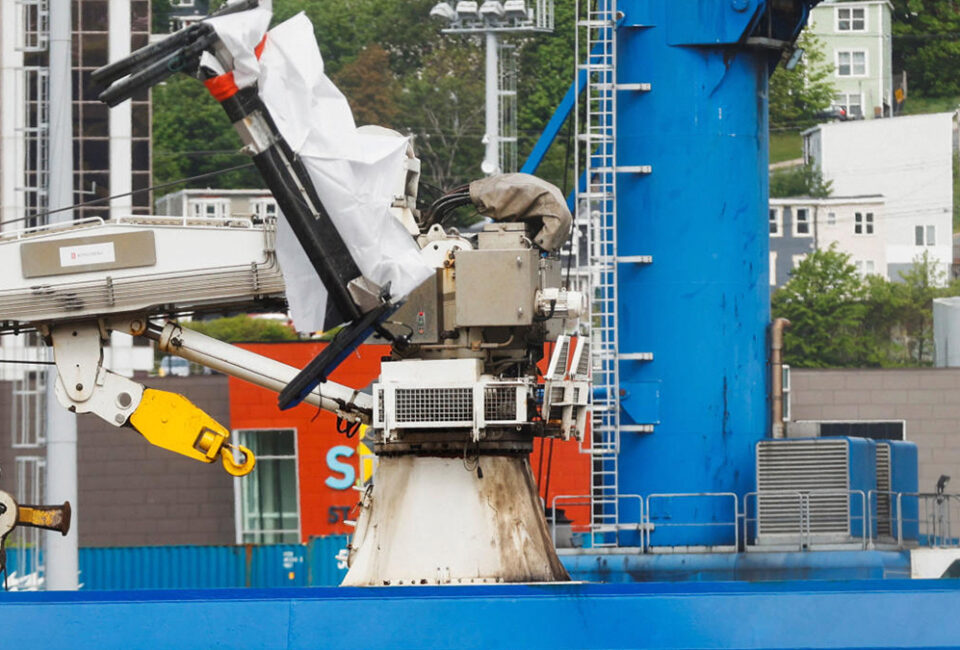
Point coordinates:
[[925, 400]]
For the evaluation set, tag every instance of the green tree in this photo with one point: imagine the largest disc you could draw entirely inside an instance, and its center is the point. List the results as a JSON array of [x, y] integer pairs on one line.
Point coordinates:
[[370, 87], [796, 96], [805, 180], [243, 328], [926, 45], [923, 282], [443, 108], [825, 302], [192, 136]]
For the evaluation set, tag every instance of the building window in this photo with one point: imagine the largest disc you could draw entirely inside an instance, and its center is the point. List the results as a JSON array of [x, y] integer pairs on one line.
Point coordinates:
[[773, 268], [801, 222], [925, 235], [263, 209], [797, 259], [863, 223], [268, 507], [181, 3], [851, 63], [831, 218], [210, 208], [776, 222], [865, 267], [851, 19], [851, 103]]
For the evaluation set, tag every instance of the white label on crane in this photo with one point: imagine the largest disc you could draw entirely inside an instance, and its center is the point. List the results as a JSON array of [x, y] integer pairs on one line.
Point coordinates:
[[87, 254]]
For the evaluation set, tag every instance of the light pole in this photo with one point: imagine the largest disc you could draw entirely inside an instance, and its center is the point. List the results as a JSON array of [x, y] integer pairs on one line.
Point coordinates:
[[492, 18]]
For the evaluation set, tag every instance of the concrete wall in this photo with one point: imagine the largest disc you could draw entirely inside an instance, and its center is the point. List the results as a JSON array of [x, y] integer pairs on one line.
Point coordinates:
[[928, 399], [132, 493]]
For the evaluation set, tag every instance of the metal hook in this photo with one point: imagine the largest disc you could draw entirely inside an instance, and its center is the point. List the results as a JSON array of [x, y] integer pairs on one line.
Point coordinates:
[[232, 466]]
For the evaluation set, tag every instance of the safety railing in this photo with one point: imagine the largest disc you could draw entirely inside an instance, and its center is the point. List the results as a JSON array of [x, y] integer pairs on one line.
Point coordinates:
[[678, 520], [236, 221], [584, 503], [790, 519], [20, 233], [801, 518]]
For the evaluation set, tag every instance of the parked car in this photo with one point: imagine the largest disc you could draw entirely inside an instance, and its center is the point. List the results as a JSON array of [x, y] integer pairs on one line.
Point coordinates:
[[174, 366]]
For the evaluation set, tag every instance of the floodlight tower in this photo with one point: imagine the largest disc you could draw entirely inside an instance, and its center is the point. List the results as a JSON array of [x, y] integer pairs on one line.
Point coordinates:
[[493, 18]]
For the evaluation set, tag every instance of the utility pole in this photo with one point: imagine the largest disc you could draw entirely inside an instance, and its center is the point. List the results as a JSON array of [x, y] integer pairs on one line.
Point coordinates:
[[61, 552]]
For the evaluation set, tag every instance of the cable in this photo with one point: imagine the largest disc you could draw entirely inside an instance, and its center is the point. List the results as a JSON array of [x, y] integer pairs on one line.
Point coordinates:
[[38, 215], [38, 363]]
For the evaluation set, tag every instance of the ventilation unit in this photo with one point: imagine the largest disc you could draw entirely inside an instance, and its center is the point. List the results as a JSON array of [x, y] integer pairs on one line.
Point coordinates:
[[813, 491], [896, 507]]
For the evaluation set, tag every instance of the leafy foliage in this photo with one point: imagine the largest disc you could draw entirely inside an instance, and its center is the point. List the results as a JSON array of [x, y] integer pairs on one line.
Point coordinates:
[[804, 180], [825, 300], [370, 87], [798, 95], [926, 45], [243, 328], [841, 319], [193, 136]]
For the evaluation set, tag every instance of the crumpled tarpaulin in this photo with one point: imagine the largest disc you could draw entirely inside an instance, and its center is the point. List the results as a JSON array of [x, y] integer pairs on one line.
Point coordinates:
[[522, 197], [354, 173]]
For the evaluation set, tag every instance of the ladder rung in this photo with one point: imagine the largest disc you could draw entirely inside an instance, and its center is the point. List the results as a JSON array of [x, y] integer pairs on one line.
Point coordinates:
[[635, 356], [635, 259], [639, 87], [626, 169], [636, 428]]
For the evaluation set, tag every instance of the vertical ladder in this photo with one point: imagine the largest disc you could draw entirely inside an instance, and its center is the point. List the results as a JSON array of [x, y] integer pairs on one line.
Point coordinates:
[[596, 215]]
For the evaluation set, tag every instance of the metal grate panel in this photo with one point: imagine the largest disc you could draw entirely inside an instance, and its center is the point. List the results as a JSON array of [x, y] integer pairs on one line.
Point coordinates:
[[884, 517], [434, 405], [500, 404], [795, 467]]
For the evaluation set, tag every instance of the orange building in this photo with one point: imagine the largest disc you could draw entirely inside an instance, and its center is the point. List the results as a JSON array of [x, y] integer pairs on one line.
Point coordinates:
[[328, 463]]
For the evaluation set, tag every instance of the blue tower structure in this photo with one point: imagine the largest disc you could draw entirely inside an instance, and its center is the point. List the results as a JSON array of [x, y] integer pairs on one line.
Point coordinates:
[[689, 272]]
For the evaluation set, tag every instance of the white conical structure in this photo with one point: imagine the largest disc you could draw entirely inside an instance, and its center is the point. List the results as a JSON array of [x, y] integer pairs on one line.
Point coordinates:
[[434, 520]]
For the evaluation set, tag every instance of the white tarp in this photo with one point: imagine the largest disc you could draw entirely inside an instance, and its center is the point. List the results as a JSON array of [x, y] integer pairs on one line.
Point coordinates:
[[354, 173]]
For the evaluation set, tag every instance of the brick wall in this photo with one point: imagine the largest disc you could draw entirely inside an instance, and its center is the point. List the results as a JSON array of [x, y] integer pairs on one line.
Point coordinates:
[[132, 493], [927, 399]]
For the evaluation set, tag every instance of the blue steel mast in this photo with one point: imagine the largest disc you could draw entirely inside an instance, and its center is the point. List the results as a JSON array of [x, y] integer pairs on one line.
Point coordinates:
[[690, 251]]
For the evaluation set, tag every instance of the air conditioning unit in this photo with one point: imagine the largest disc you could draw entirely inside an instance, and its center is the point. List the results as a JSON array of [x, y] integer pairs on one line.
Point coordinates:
[[897, 479], [814, 492]]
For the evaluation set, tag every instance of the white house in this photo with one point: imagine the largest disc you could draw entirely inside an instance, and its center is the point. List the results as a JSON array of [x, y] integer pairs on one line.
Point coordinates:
[[218, 204], [909, 160], [801, 225]]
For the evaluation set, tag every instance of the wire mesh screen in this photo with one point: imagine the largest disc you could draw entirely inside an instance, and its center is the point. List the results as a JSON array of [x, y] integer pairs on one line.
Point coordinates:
[[434, 405], [500, 404]]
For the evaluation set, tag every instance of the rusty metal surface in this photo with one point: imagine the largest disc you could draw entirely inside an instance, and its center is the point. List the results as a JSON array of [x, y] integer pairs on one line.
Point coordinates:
[[47, 517]]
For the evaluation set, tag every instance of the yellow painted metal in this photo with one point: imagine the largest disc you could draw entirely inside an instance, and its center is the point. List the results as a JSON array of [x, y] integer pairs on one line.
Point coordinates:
[[173, 422], [50, 517], [231, 465]]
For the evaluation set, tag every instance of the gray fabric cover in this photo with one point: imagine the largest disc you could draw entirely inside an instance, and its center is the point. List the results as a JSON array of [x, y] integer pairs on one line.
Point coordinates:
[[522, 197]]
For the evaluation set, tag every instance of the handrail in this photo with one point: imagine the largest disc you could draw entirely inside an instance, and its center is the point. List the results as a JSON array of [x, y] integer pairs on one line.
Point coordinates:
[[20, 233], [934, 516], [804, 511], [586, 500], [685, 495]]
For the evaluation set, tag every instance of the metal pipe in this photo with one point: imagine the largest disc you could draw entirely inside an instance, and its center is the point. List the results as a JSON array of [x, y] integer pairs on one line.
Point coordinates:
[[61, 552], [261, 371], [776, 376], [491, 160]]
